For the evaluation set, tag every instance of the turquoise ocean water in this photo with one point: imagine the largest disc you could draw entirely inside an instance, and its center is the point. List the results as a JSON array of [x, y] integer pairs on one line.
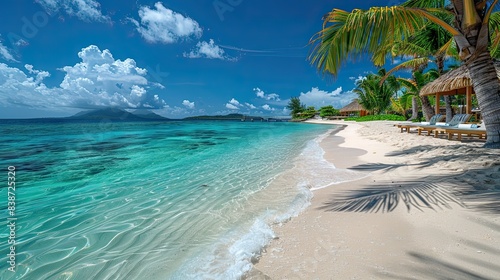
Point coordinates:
[[154, 200]]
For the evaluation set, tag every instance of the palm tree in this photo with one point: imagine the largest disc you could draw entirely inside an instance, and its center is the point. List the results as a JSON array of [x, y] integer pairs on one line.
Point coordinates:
[[351, 34], [366, 97], [414, 85], [432, 41], [374, 94], [403, 103]]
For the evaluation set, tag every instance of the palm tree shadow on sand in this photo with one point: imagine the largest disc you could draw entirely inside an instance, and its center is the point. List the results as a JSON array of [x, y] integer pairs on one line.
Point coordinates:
[[387, 197]]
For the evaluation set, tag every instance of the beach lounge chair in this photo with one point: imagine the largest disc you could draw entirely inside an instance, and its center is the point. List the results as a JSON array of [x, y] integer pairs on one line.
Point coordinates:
[[455, 121], [462, 129], [406, 126]]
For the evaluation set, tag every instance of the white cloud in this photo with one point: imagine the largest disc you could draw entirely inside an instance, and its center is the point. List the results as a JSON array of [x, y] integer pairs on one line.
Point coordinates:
[[251, 106], [261, 94], [188, 104], [98, 81], [162, 25], [86, 10], [40, 75], [5, 54], [357, 79], [173, 112], [267, 107], [235, 102], [231, 106], [208, 50], [21, 43], [319, 98]]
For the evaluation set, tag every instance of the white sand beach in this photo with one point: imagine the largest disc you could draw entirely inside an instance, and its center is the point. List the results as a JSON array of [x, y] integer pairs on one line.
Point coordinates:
[[429, 209]]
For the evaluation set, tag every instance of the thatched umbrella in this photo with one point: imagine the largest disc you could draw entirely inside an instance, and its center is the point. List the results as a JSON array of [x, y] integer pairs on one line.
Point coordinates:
[[353, 107], [454, 82]]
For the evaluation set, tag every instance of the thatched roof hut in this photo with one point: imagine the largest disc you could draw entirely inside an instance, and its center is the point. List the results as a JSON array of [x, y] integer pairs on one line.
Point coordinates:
[[449, 83], [454, 82], [353, 107]]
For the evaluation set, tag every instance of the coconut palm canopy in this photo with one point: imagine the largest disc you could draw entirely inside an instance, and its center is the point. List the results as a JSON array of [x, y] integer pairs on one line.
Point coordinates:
[[454, 82], [354, 106], [475, 28]]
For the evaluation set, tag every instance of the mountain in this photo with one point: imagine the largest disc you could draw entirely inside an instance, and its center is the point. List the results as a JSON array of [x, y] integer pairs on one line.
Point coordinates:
[[115, 114], [146, 114]]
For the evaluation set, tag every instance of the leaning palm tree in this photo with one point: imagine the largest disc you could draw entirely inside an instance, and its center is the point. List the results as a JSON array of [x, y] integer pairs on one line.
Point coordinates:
[[351, 34]]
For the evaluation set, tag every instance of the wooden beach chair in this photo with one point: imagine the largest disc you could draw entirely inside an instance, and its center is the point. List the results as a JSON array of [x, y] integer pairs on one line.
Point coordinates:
[[462, 129], [406, 126], [455, 121]]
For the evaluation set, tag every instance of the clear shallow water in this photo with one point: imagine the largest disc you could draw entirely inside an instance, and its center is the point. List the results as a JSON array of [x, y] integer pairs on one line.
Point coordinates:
[[171, 200]]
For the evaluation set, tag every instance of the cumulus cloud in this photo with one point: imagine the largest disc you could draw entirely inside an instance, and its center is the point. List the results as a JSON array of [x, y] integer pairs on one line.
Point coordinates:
[[40, 75], [162, 25], [319, 98], [98, 81], [5, 54], [208, 50], [267, 107], [261, 94], [16, 88], [235, 102], [86, 10], [251, 106], [231, 106], [188, 104]]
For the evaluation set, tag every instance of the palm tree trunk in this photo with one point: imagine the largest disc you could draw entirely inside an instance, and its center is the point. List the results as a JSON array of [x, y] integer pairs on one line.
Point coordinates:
[[449, 109], [487, 87], [427, 107], [414, 108]]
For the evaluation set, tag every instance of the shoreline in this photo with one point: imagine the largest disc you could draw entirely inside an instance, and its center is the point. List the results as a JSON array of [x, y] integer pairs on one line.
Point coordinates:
[[416, 215]]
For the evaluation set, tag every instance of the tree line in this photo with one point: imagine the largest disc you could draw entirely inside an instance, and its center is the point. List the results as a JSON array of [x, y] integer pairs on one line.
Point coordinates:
[[299, 110]]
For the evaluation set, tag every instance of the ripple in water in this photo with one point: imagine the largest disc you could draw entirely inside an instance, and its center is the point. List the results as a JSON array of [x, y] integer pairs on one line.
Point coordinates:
[[156, 201]]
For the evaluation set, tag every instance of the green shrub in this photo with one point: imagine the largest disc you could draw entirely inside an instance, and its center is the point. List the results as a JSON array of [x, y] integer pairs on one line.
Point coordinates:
[[377, 118], [327, 111]]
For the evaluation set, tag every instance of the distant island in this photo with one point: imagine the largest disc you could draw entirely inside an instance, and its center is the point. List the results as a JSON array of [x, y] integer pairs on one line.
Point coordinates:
[[120, 115], [115, 114]]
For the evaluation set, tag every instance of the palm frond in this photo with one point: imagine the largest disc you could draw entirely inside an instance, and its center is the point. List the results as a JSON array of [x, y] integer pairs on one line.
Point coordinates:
[[489, 12], [448, 49], [411, 48], [347, 35], [409, 64], [425, 3], [494, 28], [409, 84]]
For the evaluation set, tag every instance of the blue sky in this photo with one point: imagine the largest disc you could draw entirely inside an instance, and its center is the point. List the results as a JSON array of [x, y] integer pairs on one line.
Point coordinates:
[[176, 57]]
